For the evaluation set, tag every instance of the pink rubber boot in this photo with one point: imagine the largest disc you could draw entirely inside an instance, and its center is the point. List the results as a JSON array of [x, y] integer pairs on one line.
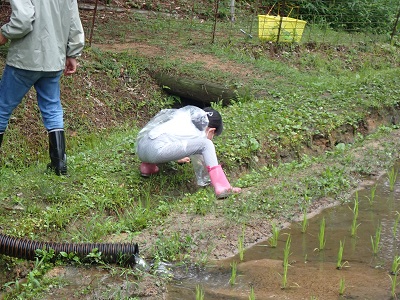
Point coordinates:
[[148, 169], [220, 183]]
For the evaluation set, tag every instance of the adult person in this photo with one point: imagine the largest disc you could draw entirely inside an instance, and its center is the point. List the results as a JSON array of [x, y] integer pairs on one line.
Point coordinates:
[[46, 38], [177, 135]]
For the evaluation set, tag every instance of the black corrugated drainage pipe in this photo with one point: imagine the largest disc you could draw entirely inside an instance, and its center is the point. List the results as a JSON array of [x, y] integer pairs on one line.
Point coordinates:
[[123, 253]]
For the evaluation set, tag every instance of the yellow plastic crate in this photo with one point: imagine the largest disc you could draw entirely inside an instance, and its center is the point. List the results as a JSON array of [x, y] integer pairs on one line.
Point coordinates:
[[291, 29]]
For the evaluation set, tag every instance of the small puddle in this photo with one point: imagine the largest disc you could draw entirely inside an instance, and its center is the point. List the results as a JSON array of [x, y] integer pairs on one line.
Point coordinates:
[[312, 274]]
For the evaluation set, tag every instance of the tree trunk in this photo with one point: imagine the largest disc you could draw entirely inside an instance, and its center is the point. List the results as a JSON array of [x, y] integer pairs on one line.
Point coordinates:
[[195, 90]]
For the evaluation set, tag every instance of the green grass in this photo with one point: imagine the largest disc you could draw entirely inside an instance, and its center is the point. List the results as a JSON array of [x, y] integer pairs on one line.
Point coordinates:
[[270, 141]]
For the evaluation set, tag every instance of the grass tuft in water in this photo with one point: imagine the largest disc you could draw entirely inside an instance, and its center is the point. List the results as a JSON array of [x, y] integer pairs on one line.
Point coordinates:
[[273, 241], [376, 241], [342, 286], [321, 235], [286, 254], [199, 293], [394, 284], [304, 223], [392, 176], [395, 225], [232, 280], [252, 295], [340, 264], [371, 198], [354, 224], [395, 265], [241, 245]]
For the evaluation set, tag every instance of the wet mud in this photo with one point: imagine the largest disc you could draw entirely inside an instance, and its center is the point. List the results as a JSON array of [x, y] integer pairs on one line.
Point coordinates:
[[313, 273]]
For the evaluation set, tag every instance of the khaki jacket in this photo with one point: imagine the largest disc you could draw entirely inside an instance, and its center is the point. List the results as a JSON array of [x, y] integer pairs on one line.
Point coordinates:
[[43, 33]]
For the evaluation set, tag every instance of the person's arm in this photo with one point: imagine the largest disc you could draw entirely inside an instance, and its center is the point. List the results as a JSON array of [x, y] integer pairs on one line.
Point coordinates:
[[76, 38], [21, 20]]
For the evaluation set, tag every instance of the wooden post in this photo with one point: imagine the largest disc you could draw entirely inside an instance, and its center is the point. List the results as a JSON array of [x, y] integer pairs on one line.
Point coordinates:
[[215, 21], [93, 21]]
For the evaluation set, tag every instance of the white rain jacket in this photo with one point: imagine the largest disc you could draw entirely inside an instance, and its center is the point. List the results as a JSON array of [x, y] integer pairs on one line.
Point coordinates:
[[181, 124], [43, 33]]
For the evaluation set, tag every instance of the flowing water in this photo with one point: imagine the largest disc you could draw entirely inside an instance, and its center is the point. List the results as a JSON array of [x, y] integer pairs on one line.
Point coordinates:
[[312, 273]]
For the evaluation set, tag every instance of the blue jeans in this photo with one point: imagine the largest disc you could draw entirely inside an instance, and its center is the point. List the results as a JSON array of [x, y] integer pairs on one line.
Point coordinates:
[[14, 85]]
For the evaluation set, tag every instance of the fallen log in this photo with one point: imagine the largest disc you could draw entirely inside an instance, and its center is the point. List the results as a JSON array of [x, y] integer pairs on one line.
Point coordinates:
[[195, 90]]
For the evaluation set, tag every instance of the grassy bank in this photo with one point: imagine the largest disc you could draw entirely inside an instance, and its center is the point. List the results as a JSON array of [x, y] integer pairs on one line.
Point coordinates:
[[313, 124]]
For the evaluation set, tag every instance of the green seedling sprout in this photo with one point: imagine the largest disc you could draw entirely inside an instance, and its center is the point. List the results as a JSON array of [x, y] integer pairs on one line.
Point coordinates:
[[241, 246], [371, 199], [199, 293], [252, 295], [376, 241], [321, 235], [354, 224], [393, 280], [273, 241], [232, 280], [342, 286], [392, 175], [395, 265], [304, 224], [286, 254], [340, 264], [396, 223]]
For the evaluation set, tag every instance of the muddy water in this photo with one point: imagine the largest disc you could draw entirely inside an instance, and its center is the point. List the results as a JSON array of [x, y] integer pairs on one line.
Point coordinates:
[[312, 274]]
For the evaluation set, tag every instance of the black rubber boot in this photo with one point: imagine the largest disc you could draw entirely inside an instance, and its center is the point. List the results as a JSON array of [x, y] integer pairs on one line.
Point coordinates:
[[57, 152], [1, 137]]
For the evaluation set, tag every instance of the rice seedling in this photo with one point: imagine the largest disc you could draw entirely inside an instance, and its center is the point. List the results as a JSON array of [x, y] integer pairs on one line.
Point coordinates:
[[199, 293], [392, 175], [395, 265], [304, 223], [286, 254], [340, 263], [321, 235], [394, 284], [342, 286], [241, 246], [371, 199], [354, 224], [252, 295], [232, 280], [273, 241], [376, 241], [396, 223]]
